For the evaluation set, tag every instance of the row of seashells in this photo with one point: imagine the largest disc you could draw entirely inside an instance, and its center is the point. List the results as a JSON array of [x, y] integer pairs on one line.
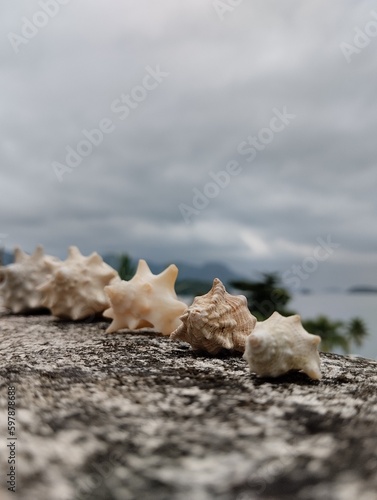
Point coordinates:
[[72, 289], [219, 320], [81, 287]]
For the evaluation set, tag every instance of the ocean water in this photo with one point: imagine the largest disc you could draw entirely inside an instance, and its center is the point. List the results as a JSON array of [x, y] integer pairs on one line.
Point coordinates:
[[343, 307]]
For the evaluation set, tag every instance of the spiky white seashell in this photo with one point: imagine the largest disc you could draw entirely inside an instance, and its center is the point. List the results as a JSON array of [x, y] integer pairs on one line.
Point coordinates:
[[281, 344], [75, 289], [216, 321], [147, 300], [19, 281]]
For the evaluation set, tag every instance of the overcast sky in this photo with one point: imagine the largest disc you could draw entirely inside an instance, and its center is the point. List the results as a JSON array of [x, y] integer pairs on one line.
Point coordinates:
[[281, 96]]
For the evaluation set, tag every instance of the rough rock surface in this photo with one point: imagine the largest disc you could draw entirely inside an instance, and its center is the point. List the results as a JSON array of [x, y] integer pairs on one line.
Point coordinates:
[[135, 416]]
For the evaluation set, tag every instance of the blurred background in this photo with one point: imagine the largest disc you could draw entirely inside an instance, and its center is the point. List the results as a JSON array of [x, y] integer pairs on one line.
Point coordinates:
[[225, 136]]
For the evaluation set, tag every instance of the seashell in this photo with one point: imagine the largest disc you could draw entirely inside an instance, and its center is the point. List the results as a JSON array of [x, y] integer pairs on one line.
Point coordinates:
[[216, 321], [280, 344], [19, 281], [75, 289], [147, 300]]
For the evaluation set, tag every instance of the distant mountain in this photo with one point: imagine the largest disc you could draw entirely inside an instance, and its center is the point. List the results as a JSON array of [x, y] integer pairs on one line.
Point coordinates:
[[362, 289], [205, 272]]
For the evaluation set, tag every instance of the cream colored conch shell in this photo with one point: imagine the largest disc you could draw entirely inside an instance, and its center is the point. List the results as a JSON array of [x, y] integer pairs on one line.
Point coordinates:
[[19, 281], [75, 289], [216, 321], [280, 344], [147, 300]]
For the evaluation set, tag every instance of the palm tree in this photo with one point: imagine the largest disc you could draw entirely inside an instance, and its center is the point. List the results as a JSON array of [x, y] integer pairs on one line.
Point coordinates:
[[331, 333], [356, 331], [337, 333]]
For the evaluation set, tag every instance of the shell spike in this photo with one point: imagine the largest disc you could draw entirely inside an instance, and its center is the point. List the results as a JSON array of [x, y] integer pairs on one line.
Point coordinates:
[[133, 323], [295, 318], [168, 276], [316, 339], [53, 264], [20, 255], [218, 285], [143, 268], [313, 371], [73, 253], [38, 253], [94, 258]]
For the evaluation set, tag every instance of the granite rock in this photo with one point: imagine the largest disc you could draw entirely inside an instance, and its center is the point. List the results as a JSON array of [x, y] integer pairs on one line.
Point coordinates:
[[134, 415]]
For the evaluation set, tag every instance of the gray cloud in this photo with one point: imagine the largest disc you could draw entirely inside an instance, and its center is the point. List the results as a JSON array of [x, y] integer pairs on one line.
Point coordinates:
[[316, 177]]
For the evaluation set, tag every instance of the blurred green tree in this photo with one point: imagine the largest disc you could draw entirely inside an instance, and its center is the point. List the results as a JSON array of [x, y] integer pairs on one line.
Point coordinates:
[[337, 333], [126, 269], [265, 296], [357, 331], [192, 287], [331, 332]]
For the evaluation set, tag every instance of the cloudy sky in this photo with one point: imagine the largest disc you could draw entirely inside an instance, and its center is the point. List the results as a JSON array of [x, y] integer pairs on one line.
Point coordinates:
[[241, 132]]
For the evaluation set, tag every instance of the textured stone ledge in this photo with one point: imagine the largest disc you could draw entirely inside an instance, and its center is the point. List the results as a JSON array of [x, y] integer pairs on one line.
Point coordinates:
[[136, 416]]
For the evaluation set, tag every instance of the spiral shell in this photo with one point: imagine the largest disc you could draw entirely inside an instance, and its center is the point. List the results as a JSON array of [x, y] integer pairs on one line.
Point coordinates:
[[75, 289], [216, 321], [281, 344], [147, 300], [19, 281]]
